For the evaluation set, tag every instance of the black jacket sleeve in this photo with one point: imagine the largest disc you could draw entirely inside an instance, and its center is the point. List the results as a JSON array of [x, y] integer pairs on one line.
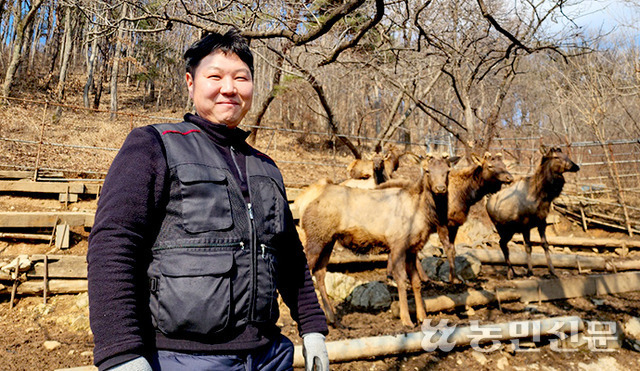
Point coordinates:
[[295, 284], [119, 246]]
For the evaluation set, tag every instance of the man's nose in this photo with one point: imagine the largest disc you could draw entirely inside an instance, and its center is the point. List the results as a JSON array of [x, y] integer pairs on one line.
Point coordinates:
[[228, 86]]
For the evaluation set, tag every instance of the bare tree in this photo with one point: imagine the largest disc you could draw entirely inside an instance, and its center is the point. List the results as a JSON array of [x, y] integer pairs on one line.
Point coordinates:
[[22, 22]]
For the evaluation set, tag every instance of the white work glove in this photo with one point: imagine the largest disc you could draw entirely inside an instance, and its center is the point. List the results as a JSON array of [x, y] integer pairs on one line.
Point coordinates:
[[136, 364], [315, 353]]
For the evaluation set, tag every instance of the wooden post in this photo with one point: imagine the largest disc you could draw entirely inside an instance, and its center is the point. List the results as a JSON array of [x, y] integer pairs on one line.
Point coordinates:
[[15, 285], [44, 123], [45, 279], [614, 168], [584, 221]]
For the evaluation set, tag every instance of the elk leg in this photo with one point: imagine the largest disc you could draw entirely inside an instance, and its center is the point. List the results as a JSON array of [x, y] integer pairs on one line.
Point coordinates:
[[504, 239], [399, 270], [318, 259], [326, 302], [421, 273], [526, 235], [443, 233], [542, 230], [416, 285]]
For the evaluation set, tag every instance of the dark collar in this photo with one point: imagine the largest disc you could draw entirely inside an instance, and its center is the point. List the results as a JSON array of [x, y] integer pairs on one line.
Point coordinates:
[[219, 133]]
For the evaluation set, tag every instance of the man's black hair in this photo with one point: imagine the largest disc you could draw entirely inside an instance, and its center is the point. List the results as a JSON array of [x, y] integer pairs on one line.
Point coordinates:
[[230, 42]]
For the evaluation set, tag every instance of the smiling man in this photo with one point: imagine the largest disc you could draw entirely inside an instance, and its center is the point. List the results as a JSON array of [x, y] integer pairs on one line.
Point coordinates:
[[193, 239]]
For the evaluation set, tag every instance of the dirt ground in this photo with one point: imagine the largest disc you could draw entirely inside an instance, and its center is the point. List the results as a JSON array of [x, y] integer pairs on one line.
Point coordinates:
[[38, 336]]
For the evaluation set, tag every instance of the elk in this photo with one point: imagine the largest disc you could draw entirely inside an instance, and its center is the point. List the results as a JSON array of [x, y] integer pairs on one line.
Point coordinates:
[[397, 219], [526, 203], [467, 186], [380, 167]]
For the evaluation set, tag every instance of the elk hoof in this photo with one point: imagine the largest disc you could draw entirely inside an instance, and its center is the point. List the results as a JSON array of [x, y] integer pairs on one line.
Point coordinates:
[[407, 323]]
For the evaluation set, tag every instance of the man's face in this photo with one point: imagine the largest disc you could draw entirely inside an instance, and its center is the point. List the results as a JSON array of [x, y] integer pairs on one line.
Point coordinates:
[[221, 88]]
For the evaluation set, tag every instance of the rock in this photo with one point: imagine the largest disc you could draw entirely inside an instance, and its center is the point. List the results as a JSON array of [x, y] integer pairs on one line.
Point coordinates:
[[82, 301], [80, 323], [632, 328], [473, 230], [574, 341], [503, 363], [480, 357], [604, 335], [370, 296], [86, 353], [467, 268], [430, 250], [339, 285], [431, 264], [51, 345], [597, 302], [603, 363]]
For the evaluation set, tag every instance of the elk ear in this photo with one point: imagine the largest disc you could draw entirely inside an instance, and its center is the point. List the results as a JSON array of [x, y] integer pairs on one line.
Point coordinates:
[[453, 160], [476, 160], [415, 158], [544, 150]]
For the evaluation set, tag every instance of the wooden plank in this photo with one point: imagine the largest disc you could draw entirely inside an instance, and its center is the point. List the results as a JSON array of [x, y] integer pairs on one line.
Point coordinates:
[[62, 236], [533, 290], [36, 287], [61, 266], [580, 241], [40, 187], [15, 174], [73, 197], [44, 219]]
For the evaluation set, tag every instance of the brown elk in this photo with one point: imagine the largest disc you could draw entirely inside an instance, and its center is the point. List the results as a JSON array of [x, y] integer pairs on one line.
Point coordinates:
[[467, 186], [398, 220], [526, 203], [378, 168]]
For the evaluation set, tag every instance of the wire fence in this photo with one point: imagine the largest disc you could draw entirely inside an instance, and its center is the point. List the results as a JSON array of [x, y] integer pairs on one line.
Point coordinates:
[[44, 137]]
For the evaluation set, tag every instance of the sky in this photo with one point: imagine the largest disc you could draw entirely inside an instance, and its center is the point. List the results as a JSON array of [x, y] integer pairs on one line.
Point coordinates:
[[608, 15]]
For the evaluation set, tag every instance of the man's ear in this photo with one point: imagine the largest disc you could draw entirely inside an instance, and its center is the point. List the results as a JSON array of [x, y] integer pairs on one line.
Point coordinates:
[[189, 79]]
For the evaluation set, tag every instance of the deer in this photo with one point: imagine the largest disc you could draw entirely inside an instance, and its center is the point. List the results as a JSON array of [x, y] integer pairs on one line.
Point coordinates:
[[526, 203], [398, 220]]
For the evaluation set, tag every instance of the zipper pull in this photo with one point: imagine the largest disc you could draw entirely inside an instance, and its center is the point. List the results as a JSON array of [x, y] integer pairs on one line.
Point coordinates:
[[262, 246], [241, 245], [250, 211]]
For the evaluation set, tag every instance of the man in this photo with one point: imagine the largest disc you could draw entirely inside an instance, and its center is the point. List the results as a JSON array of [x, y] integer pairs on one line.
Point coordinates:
[[193, 239]]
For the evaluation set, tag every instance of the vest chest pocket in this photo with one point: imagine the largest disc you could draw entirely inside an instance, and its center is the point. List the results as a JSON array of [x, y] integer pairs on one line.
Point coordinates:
[[270, 202], [194, 292], [205, 198]]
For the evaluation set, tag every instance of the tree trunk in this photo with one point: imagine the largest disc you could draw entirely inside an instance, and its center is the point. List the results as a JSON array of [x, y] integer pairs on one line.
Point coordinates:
[[21, 26], [113, 107], [275, 81], [34, 44], [66, 54], [101, 78], [90, 70]]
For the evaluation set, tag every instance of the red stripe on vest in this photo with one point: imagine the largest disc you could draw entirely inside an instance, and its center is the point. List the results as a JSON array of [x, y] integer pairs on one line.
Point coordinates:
[[179, 132]]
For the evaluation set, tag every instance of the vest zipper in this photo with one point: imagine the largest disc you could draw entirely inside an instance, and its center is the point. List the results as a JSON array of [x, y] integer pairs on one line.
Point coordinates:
[[235, 162], [254, 263]]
